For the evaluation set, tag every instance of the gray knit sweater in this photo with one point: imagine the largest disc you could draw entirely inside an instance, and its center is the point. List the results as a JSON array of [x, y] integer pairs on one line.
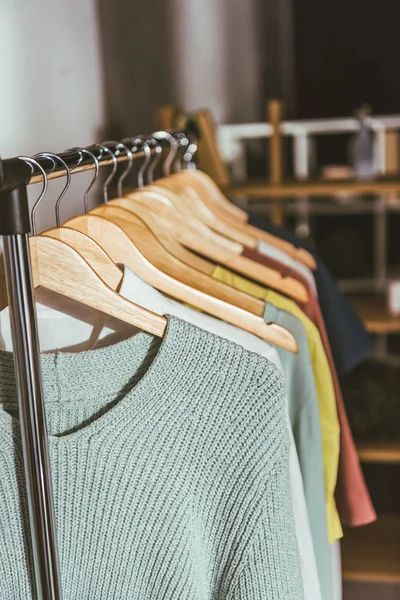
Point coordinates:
[[170, 470]]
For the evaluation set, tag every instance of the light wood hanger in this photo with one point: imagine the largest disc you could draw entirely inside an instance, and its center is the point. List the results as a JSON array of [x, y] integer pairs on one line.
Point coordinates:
[[59, 268], [203, 212], [140, 223], [117, 243], [94, 254], [218, 176], [195, 235], [187, 214], [156, 226], [100, 262], [148, 245], [216, 201]]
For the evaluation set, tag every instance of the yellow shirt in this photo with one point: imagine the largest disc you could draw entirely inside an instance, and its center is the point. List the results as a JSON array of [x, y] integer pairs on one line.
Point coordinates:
[[330, 428]]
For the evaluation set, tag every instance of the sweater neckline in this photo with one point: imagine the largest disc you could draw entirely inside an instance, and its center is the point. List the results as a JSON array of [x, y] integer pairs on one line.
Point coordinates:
[[176, 347]]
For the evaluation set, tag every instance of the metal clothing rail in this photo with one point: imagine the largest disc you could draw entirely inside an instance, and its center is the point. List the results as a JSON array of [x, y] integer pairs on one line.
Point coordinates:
[[15, 226]]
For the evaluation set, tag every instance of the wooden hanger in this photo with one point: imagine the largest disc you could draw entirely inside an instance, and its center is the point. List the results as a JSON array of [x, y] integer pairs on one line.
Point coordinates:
[[190, 233], [117, 243], [212, 197], [187, 214], [99, 260], [195, 235], [203, 212], [148, 245], [59, 268], [217, 175], [156, 226], [217, 199]]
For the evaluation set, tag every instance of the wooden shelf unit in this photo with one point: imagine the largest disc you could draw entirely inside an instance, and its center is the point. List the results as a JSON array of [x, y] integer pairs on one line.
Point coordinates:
[[379, 452], [310, 188], [373, 310], [371, 554]]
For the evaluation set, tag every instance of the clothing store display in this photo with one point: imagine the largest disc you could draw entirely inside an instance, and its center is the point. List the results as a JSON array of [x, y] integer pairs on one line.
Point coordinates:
[[56, 327], [324, 386], [168, 481], [348, 338], [180, 454]]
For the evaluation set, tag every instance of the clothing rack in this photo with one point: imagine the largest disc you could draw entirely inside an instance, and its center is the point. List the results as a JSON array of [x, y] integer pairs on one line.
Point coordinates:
[[15, 227]]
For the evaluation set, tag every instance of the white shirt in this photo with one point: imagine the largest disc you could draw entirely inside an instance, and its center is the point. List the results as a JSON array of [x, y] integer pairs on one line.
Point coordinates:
[[287, 260], [64, 324]]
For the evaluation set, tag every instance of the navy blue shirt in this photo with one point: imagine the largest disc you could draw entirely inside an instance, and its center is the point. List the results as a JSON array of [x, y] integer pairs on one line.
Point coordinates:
[[349, 340]]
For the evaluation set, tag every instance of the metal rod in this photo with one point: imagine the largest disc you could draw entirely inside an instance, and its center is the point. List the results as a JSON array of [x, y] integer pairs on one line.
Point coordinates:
[[32, 416]]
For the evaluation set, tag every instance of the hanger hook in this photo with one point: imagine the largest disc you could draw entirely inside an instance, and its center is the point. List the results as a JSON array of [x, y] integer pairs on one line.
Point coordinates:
[[126, 171], [140, 144], [95, 176], [183, 142], [145, 164], [111, 175], [153, 164], [32, 162], [51, 155], [188, 157], [173, 145]]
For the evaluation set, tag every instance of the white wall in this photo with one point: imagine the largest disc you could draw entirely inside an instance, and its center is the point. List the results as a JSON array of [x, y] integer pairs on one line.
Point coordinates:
[[51, 91], [215, 50]]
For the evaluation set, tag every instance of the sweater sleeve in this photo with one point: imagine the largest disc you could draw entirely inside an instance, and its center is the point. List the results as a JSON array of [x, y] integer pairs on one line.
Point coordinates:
[[271, 564]]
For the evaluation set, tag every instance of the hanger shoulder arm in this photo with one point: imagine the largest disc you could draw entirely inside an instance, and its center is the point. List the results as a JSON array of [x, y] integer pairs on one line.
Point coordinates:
[[54, 260], [94, 254]]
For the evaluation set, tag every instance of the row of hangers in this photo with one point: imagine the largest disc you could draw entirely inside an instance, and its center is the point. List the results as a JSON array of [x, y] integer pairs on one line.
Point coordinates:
[[171, 233]]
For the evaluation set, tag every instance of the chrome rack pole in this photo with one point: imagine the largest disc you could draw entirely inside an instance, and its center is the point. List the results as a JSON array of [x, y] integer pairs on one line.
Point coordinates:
[[15, 227]]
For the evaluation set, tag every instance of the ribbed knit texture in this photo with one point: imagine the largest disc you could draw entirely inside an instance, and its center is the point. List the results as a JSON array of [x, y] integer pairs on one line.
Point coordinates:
[[170, 471]]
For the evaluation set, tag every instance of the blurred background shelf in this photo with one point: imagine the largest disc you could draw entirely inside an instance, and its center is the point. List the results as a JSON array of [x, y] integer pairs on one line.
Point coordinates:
[[374, 313], [371, 554], [379, 452]]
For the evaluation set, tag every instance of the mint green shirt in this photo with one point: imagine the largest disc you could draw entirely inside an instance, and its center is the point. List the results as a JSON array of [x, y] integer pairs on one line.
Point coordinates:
[[306, 426]]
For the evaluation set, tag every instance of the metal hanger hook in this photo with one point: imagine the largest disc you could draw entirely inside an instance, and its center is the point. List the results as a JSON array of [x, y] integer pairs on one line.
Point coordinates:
[[173, 145], [32, 162], [111, 175], [128, 169], [153, 163], [183, 143], [188, 157], [53, 156], [94, 178], [140, 144]]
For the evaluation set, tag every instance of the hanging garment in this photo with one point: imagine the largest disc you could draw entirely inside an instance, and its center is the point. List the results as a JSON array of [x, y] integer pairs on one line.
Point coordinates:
[[349, 341], [306, 424], [56, 327], [283, 258], [352, 496], [323, 383], [170, 468], [336, 571]]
